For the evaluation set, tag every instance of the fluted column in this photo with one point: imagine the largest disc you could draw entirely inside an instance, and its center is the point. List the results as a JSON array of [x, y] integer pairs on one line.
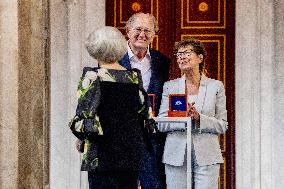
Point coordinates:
[[278, 97], [255, 64], [71, 21]]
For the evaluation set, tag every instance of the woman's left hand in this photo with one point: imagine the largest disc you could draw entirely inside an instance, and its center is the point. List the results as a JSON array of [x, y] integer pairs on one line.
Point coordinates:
[[192, 111]]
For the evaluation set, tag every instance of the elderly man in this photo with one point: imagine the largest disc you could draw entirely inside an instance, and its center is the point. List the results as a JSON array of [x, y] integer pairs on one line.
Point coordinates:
[[154, 67]]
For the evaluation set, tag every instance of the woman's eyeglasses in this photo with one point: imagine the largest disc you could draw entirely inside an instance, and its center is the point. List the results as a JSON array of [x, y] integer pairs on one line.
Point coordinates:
[[185, 53]]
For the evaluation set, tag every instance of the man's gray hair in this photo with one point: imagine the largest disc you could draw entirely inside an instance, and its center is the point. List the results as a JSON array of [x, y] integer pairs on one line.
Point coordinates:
[[106, 44], [130, 21]]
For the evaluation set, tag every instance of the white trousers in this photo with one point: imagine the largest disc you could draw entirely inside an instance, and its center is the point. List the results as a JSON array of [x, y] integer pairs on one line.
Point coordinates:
[[203, 177]]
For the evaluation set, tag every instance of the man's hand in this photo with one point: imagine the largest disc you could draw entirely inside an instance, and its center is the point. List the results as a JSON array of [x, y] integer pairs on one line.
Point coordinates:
[[151, 125]]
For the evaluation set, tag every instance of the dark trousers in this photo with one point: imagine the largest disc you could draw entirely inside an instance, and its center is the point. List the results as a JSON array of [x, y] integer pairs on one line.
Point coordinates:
[[152, 173], [112, 179]]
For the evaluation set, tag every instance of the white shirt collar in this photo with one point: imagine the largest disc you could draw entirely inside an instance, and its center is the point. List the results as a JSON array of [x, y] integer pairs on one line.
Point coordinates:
[[131, 54]]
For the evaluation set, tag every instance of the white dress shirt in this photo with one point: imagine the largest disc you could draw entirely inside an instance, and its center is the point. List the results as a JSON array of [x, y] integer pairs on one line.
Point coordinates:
[[144, 66]]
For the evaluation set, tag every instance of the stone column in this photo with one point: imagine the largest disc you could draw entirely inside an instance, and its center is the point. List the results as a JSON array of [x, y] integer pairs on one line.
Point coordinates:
[[278, 98], [254, 93], [71, 21], [33, 94], [9, 98], [60, 140], [24, 61]]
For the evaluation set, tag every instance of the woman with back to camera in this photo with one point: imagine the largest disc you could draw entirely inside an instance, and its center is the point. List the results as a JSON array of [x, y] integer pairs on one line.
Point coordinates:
[[207, 108], [112, 107]]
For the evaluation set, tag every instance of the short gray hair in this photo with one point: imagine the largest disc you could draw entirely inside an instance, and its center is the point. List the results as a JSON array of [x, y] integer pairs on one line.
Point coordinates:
[[106, 44], [134, 17]]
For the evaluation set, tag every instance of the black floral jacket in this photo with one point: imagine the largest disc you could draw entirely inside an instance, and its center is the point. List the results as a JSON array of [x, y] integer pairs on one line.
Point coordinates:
[[86, 123]]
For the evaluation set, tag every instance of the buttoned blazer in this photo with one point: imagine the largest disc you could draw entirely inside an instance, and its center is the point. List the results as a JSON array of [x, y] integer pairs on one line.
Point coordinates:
[[211, 105]]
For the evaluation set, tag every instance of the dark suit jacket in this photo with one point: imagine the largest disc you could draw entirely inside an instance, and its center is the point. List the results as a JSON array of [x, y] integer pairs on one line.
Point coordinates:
[[160, 72]]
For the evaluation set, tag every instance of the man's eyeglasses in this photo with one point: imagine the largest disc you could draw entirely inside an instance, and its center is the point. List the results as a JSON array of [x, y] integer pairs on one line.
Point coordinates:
[[185, 53], [138, 30]]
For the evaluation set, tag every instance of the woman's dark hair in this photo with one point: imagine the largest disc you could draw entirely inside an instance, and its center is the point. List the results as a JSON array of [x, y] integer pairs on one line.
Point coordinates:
[[198, 48]]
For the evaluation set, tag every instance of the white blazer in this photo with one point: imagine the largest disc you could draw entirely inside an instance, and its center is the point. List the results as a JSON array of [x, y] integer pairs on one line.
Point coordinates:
[[211, 105]]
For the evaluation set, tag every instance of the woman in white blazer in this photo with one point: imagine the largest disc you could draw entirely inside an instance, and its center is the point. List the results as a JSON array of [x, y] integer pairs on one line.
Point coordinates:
[[207, 107]]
